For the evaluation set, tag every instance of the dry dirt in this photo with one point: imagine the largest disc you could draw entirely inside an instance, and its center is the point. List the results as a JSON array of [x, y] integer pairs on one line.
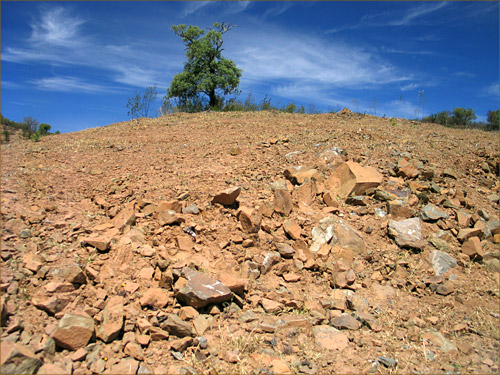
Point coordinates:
[[85, 233]]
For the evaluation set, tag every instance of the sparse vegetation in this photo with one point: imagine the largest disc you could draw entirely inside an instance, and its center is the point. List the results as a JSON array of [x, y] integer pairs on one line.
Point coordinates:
[[139, 105]]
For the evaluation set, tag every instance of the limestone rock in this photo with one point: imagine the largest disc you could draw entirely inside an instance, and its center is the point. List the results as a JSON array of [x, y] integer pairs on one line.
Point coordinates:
[[329, 338], [352, 178], [125, 218], [249, 219], [298, 175], [292, 229], [154, 297], [472, 247], [442, 262], [168, 217], [407, 169]]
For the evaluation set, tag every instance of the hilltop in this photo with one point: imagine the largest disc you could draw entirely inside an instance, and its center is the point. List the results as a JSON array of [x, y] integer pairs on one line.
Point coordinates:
[[252, 242]]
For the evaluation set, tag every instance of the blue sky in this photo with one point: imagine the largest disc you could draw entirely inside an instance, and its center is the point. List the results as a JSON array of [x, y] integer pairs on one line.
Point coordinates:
[[75, 64]]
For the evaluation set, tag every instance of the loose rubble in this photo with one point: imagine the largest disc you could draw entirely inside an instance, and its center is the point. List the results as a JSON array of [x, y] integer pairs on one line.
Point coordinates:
[[334, 243]]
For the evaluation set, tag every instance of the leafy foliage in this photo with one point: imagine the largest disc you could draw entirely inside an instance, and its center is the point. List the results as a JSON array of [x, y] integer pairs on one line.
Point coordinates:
[[493, 119], [459, 117], [206, 71]]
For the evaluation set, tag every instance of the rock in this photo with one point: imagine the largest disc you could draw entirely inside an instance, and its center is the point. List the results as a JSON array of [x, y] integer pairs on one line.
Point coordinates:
[[58, 287], [388, 362], [227, 197], [347, 238], [439, 244], [330, 199], [285, 250], [437, 339], [18, 359], [445, 289], [154, 297], [51, 369], [168, 217], [407, 169], [464, 219], [191, 209], [112, 323], [473, 249], [442, 262], [188, 313], [134, 350], [270, 306], [464, 234], [322, 233], [352, 178], [33, 261], [181, 344], [101, 243], [235, 284], [249, 219], [292, 229], [51, 304], [125, 218], [124, 367], [345, 321], [407, 233], [177, 327], [431, 213], [298, 175], [73, 331], [202, 290], [306, 193], [329, 338], [173, 205], [270, 259], [282, 202]]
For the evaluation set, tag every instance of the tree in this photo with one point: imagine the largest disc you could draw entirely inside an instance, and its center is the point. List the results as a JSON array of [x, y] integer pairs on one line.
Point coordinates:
[[43, 129], [206, 71], [493, 119], [140, 104], [30, 126], [462, 116]]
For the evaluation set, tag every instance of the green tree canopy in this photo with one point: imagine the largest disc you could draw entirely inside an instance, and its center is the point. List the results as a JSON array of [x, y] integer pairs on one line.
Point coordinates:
[[206, 71]]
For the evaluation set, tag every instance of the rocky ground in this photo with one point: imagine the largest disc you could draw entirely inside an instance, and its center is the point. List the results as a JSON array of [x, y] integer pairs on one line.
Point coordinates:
[[251, 243]]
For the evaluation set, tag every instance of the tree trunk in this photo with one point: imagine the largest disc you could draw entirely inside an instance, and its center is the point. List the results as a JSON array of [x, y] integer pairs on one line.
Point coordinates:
[[213, 99]]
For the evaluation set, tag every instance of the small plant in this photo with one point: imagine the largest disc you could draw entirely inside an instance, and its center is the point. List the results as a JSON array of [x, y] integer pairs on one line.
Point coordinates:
[[35, 137]]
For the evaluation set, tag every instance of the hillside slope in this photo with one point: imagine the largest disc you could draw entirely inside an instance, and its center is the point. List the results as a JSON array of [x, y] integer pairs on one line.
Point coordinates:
[[122, 251]]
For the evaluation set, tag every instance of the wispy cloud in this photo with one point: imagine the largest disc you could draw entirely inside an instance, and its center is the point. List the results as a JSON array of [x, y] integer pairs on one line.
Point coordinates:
[[191, 7], [406, 52], [492, 90], [56, 26], [71, 84], [393, 18], [277, 9]]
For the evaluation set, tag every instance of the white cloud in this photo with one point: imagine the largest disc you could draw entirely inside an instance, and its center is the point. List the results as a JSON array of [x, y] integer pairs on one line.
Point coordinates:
[[193, 6], [492, 90], [70, 84], [56, 26]]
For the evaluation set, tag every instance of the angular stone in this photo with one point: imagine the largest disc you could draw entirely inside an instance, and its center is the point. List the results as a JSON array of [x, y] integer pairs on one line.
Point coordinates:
[[282, 202], [345, 321], [407, 169], [250, 219], [154, 297], [33, 261], [472, 247], [173, 205], [322, 233], [101, 243], [112, 323], [431, 213], [347, 238], [177, 327], [442, 262], [464, 234], [168, 217], [127, 366], [270, 306], [52, 305], [464, 219], [407, 233], [73, 331], [306, 193], [181, 344], [134, 350], [51, 369], [202, 290], [227, 197], [125, 218], [329, 338], [270, 259], [292, 229], [18, 359], [285, 250], [330, 199], [58, 287], [352, 178], [236, 284], [298, 175]]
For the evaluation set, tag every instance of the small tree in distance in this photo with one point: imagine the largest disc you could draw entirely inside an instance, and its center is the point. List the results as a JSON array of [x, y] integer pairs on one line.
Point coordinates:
[[206, 71], [139, 105]]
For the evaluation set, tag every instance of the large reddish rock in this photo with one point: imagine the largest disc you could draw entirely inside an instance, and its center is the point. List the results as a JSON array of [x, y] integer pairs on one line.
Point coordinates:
[[100, 242], [112, 320], [282, 202], [329, 338], [292, 229], [201, 289], [74, 331], [154, 297], [168, 217], [306, 193], [18, 359], [174, 205], [472, 247], [227, 197], [249, 219], [352, 178], [407, 169], [125, 218], [298, 175]]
